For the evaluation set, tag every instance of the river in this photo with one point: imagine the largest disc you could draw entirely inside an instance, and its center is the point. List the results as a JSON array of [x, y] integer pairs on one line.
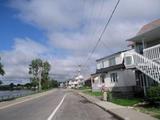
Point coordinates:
[[12, 94]]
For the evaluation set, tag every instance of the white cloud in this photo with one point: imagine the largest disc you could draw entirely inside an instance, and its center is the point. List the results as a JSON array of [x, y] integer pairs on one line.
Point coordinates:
[[74, 26], [17, 60]]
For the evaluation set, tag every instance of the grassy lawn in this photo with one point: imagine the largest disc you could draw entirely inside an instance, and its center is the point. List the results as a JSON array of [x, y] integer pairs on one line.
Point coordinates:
[[153, 111], [148, 109], [126, 102], [84, 88], [89, 91]]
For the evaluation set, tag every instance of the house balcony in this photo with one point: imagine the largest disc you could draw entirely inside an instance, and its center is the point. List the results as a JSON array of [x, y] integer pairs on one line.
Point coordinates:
[[152, 53]]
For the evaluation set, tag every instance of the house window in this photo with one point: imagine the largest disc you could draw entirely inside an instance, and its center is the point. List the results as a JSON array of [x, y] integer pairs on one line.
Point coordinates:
[[114, 77], [99, 65], [128, 60], [112, 61]]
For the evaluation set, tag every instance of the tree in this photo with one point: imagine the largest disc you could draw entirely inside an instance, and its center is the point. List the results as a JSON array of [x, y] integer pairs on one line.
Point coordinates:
[[40, 73], [1, 82], [53, 83], [35, 70], [2, 72], [45, 75], [11, 86]]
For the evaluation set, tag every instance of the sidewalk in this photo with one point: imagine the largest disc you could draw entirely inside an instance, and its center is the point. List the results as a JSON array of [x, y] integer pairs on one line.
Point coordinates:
[[6, 104], [121, 112]]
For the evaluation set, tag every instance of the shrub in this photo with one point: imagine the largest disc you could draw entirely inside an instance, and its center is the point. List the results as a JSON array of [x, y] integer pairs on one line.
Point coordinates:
[[154, 93]]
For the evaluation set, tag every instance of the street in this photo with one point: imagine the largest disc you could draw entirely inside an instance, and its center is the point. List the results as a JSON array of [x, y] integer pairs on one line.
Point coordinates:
[[59, 105]]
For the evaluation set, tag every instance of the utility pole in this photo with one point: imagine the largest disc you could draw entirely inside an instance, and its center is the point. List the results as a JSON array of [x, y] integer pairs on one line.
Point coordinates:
[[79, 69]]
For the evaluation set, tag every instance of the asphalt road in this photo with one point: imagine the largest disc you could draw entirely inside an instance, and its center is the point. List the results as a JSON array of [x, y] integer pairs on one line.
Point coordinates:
[[59, 105]]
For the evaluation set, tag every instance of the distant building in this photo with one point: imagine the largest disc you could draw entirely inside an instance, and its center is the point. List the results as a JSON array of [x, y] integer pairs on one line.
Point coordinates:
[[77, 82]]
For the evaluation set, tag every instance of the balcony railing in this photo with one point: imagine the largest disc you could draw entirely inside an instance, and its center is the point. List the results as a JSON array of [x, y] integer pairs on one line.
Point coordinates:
[[152, 53]]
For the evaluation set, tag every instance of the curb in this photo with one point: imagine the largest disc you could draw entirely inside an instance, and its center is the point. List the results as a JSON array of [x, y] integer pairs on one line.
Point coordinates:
[[107, 110], [124, 115]]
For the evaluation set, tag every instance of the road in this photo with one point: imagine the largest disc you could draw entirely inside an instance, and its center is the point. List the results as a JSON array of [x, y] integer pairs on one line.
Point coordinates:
[[59, 105]]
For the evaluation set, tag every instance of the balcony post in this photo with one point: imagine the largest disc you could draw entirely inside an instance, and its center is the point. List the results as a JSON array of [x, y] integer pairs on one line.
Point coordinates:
[[143, 44]]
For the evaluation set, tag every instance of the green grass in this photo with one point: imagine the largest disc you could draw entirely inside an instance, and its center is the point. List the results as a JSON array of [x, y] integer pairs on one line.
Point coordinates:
[[126, 102], [97, 94], [153, 111], [84, 88]]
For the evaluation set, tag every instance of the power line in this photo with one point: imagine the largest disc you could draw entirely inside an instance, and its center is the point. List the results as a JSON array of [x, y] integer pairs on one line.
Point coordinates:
[[103, 31]]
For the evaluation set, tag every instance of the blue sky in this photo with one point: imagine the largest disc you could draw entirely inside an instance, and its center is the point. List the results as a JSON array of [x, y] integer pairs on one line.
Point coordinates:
[[64, 31], [11, 27]]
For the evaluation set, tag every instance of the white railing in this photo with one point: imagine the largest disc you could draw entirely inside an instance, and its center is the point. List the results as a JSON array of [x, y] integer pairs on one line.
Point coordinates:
[[152, 53], [145, 65]]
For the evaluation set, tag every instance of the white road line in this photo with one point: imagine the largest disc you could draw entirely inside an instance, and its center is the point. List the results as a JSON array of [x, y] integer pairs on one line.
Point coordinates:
[[55, 110]]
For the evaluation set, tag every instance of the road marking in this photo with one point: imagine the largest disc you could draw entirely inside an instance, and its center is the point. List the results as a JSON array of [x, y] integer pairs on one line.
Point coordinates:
[[27, 99], [55, 110]]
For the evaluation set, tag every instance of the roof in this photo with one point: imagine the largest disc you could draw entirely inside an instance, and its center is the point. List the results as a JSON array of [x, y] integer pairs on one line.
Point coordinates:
[[150, 26], [148, 32], [151, 35], [111, 55], [111, 68]]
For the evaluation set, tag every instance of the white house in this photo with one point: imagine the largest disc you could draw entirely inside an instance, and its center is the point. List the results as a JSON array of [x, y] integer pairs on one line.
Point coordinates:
[[111, 74], [77, 82], [145, 56]]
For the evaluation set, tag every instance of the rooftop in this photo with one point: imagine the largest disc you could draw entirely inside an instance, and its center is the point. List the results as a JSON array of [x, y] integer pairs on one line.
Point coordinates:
[[150, 26], [111, 55], [148, 32]]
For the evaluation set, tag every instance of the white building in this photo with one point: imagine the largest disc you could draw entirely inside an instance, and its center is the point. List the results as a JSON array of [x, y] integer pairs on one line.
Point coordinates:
[[77, 82], [111, 74], [145, 56]]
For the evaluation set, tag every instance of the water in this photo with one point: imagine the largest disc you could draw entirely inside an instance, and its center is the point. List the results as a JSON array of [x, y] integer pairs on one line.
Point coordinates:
[[13, 94]]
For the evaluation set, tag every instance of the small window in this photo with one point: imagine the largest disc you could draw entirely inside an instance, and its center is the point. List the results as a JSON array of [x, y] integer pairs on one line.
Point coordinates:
[[114, 77], [112, 61], [128, 60]]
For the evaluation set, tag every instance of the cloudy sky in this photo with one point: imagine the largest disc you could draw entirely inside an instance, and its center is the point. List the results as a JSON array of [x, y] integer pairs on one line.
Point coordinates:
[[65, 31]]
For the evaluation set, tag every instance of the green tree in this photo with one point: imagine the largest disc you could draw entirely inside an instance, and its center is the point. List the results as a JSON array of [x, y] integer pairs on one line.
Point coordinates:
[[2, 72], [53, 83], [35, 70], [40, 73], [28, 85], [45, 75], [11, 86], [1, 82]]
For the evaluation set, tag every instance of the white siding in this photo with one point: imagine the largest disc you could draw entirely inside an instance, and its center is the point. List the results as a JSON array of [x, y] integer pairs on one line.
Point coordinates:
[[119, 59], [96, 84], [125, 78], [105, 62], [99, 65]]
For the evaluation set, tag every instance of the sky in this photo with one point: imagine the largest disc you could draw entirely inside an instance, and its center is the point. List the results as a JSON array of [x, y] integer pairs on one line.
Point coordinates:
[[64, 32]]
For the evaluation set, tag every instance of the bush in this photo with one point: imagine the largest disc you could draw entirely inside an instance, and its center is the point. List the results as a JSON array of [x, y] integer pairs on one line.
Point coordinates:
[[154, 93]]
